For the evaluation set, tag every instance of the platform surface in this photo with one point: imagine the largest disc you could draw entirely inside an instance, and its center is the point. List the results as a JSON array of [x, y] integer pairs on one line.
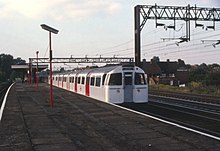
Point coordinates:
[[78, 123]]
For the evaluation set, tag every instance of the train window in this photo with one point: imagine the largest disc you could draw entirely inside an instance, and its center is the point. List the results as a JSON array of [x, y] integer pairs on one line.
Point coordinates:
[[115, 79], [92, 81], [79, 79], [103, 79], [98, 81], [128, 78], [83, 80], [140, 79], [64, 79], [56, 78], [72, 79]]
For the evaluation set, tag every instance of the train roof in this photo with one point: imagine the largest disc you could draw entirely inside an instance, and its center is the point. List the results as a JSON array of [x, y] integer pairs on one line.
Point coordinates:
[[101, 70], [104, 69]]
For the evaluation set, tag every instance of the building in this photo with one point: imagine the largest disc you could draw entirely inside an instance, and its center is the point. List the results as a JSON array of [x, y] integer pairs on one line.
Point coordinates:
[[167, 72]]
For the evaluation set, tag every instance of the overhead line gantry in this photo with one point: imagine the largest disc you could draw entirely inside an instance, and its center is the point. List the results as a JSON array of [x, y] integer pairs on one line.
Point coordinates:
[[84, 60], [187, 14]]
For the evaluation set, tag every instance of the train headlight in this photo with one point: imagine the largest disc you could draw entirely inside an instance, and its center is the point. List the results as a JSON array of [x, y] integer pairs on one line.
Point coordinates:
[[138, 90], [118, 91]]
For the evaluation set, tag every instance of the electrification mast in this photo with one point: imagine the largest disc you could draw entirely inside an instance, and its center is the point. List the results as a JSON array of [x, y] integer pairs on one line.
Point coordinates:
[[187, 14]]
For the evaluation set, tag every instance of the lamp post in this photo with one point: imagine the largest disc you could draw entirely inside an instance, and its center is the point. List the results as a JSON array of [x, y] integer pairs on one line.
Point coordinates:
[[37, 52], [55, 31]]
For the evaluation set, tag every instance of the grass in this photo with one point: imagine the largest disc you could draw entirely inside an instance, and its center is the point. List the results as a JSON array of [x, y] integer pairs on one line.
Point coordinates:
[[194, 87]]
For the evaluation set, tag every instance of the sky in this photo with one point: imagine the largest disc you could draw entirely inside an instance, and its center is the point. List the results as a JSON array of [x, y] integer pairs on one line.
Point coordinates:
[[97, 28]]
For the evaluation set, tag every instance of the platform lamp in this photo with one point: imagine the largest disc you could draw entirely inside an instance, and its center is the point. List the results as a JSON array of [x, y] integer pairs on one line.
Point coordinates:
[[55, 31], [37, 52]]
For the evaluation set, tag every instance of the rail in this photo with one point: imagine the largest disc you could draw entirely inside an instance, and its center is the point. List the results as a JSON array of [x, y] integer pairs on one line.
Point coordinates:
[[199, 116]]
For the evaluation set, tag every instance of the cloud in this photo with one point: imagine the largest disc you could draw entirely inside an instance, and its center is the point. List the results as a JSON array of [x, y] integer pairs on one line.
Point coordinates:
[[58, 9], [84, 8]]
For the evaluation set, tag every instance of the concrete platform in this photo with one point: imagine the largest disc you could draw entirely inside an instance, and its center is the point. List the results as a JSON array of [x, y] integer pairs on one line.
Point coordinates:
[[79, 123]]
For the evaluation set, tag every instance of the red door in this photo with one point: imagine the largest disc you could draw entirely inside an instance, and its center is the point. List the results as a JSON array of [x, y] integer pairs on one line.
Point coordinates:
[[62, 81], [76, 83], [87, 85]]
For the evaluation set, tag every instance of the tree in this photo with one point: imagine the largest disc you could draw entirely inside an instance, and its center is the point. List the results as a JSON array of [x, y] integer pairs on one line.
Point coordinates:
[[156, 59], [213, 79], [5, 66], [206, 74], [6, 60]]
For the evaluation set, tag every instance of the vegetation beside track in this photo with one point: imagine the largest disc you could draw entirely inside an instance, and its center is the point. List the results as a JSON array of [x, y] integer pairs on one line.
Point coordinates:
[[194, 87]]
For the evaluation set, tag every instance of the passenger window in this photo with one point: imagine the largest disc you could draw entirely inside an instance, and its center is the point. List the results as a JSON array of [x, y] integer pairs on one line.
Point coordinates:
[[79, 79], [92, 81], [115, 79], [140, 79], [103, 79], [98, 81], [128, 78], [72, 79], [83, 80]]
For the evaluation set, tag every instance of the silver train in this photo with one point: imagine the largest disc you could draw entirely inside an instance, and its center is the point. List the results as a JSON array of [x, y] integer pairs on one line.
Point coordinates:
[[113, 84]]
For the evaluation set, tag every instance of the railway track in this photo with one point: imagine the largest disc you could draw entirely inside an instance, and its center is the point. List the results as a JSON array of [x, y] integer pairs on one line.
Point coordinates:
[[200, 116], [188, 96]]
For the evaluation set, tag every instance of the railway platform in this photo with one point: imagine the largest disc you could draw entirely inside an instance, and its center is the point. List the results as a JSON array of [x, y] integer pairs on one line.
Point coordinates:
[[76, 122]]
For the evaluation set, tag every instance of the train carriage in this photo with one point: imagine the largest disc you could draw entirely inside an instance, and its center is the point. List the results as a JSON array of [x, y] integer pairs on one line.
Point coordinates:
[[114, 84]]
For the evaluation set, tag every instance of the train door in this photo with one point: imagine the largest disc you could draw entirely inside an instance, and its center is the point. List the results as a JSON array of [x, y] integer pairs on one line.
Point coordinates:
[[67, 82], [128, 86], [87, 91], [62, 81], [87, 85], [75, 83]]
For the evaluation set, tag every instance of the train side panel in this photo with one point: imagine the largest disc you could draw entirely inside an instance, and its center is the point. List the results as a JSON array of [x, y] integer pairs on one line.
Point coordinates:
[[96, 87], [114, 92]]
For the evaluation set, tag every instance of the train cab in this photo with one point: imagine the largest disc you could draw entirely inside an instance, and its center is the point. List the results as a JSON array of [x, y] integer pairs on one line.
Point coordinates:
[[126, 84]]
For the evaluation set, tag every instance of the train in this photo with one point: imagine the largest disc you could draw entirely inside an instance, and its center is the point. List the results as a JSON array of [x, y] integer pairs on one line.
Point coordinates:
[[112, 84]]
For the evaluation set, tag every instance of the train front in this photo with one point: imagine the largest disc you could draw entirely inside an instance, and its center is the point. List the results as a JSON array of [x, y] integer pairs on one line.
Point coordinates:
[[126, 84]]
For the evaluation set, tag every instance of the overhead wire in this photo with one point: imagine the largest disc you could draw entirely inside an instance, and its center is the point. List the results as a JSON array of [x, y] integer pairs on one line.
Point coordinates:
[[156, 46]]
